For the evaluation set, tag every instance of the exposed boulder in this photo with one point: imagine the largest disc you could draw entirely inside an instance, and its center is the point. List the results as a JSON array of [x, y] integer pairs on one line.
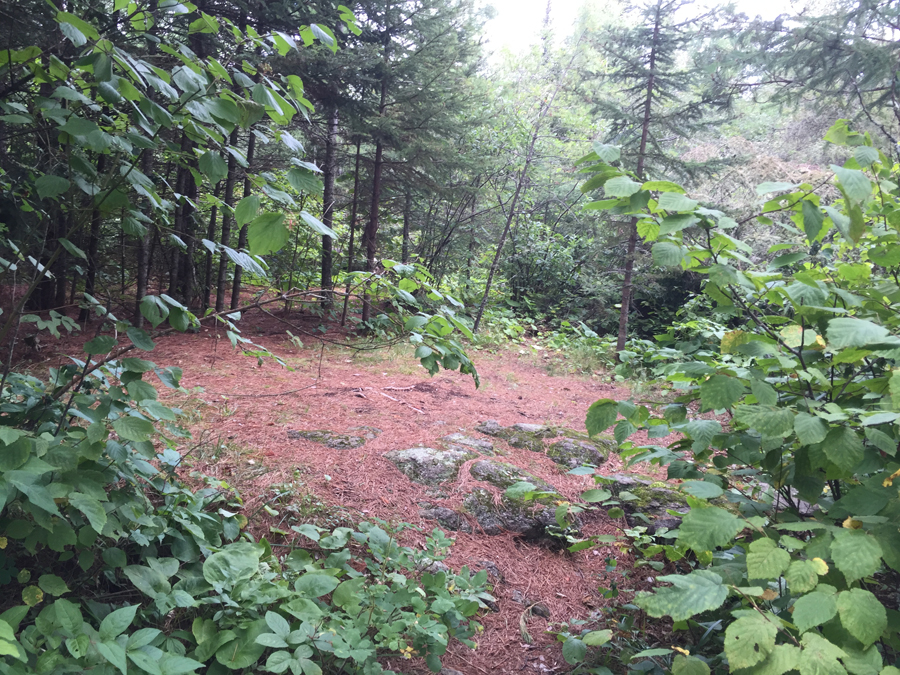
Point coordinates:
[[427, 465], [528, 436], [459, 441], [336, 440], [577, 449], [446, 518], [646, 503]]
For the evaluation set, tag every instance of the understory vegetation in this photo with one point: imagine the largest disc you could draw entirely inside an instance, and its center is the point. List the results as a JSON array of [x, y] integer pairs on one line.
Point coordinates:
[[729, 249]]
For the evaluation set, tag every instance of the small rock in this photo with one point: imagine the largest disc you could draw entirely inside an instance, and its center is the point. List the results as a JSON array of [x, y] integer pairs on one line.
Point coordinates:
[[462, 442], [436, 567], [528, 436], [447, 518], [427, 465], [573, 452], [329, 438], [492, 570], [449, 671]]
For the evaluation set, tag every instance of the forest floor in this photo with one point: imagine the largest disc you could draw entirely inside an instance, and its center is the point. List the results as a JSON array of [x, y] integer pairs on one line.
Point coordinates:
[[240, 412]]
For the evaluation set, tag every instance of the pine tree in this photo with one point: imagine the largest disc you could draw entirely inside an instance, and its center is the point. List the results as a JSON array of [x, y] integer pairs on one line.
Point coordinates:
[[653, 61]]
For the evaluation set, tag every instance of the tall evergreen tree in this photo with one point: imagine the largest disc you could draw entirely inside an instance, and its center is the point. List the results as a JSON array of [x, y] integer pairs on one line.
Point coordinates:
[[654, 63]]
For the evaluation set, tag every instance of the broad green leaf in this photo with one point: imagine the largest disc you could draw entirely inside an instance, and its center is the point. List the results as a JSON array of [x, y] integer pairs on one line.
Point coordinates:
[[862, 614], [844, 448], [305, 181], [267, 233], [117, 622], [855, 183], [597, 638], [803, 575], [813, 609], [674, 201], [765, 394], [51, 186], [314, 585], [721, 392], [690, 594], [601, 416], [662, 186], [847, 332], [812, 220], [102, 344], [115, 654], [246, 210], [243, 651], [133, 429], [667, 254], [769, 421], [819, 656], [782, 659], [689, 665], [68, 614], [865, 156], [236, 562], [52, 584], [856, 554], [317, 225], [213, 166], [765, 560], [574, 651], [810, 429], [144, 661], [621, 186], [148, 581], [749, 640], [91, 508], [607, 153], [702, 489], [705, 529]]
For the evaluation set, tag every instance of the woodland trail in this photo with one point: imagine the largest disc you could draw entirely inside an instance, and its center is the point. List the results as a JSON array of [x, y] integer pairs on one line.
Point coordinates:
[[240, 413]]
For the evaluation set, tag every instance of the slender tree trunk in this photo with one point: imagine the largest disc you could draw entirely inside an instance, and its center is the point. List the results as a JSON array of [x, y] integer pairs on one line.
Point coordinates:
[[181, 211], [145, 252], [627, 281], [92, 247], [371, 232], [328, 177], [242, 236], [226, 223], [210, 236], [407, 207], [353, 211]]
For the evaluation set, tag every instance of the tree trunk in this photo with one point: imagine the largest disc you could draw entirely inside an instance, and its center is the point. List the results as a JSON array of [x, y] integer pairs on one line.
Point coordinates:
[[210, 236], [353, 211], [627, 281], [90, 277], [145, 252], [181, 187], [227, 215], [242, 237], [407, 207], [328, 177], [371, 232]]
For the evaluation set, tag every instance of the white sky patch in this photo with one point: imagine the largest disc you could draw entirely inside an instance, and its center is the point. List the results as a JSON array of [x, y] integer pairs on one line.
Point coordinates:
[[518, 23]]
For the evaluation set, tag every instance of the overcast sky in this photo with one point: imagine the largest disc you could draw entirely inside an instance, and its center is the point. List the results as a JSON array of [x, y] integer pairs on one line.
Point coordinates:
[[518, 22]]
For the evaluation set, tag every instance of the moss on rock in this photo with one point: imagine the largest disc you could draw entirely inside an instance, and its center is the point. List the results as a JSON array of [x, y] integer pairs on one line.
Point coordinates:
[[527, 436], [336, 440], [428, 465]]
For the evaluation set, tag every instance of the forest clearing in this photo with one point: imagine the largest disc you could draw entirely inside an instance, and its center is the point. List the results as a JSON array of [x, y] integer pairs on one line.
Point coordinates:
[[337, 340]]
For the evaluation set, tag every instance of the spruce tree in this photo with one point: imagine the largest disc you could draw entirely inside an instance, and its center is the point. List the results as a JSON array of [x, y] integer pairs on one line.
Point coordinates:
[[653, 62]]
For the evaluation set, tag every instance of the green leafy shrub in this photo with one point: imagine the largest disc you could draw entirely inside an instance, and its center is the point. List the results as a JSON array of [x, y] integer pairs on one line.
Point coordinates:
[[790, 424]]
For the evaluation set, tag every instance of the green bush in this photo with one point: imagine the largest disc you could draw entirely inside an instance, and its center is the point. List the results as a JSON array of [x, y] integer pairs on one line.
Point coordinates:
[[790, 424]]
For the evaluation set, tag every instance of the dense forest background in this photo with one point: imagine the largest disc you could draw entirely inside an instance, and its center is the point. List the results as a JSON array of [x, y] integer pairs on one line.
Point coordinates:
[[674, 192]]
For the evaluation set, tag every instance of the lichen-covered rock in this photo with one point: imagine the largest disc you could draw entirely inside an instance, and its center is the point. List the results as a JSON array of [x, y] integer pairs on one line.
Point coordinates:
[[527, 436], [447, 518], [576, 449], [369, 433], [428, 465], [647, 504], [525, 518], [503, 475], [459, 441], [329, 438]]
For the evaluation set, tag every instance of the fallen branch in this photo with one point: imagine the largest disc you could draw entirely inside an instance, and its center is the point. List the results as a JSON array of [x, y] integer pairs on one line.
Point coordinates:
[[402, 402]]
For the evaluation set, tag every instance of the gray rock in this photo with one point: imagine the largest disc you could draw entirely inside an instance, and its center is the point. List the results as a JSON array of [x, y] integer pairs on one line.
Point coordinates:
[[449, 671], [528, 436], [579, 449], [436, 567], [369, 433], [647, 504], [503, 475], [446, 518], [525, 518], [459, 441], [335, 440], [427, 465]]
